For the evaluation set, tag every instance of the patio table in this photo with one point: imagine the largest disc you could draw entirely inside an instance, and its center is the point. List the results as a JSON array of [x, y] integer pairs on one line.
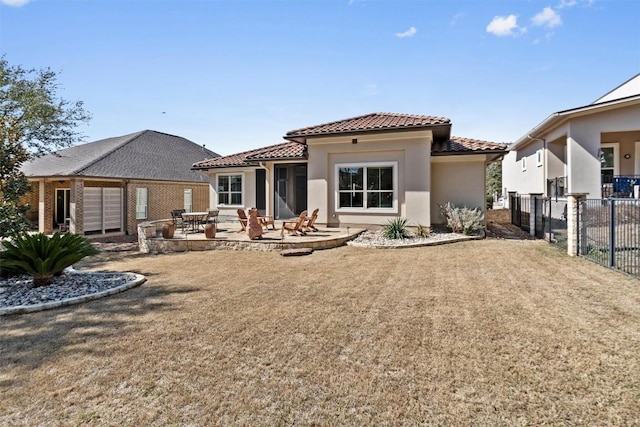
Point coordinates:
[[194, 219]]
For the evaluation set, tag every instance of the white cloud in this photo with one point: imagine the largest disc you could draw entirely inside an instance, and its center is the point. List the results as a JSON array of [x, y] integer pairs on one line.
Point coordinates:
[[505, 26], [409, 33], [457, 17], [566, 3], [547, 18], [15, 3]]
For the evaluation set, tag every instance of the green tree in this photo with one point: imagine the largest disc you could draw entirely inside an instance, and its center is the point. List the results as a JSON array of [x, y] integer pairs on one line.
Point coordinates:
[[494, 179], [34, 121]]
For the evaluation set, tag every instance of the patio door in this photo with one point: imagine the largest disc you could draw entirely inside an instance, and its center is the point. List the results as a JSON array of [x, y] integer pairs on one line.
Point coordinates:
[[290, 190]]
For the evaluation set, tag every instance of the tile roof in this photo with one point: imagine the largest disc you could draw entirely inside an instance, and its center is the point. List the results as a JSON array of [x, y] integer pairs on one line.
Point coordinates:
[[283, 151], [142, 155], [466, 145], [374, 121]]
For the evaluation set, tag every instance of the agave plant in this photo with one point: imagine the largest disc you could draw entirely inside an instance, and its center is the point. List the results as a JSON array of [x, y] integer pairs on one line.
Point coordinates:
[[395, 228], [43, 257]]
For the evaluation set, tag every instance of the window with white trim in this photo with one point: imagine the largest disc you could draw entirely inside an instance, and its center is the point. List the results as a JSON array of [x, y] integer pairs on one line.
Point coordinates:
[[539, 158], [230, 190], [188, 200], [366, 186], [141, 203], [523, 163]]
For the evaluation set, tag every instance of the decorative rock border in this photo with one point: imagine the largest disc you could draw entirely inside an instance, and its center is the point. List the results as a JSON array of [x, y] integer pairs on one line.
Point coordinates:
[[139, 279], [416, 245]]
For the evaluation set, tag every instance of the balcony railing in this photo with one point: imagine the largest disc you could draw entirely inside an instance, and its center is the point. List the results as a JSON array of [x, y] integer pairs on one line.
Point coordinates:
[[619, 186]]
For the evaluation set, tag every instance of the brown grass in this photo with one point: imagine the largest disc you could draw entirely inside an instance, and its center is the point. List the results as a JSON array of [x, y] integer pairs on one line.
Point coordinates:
[[478, 333]]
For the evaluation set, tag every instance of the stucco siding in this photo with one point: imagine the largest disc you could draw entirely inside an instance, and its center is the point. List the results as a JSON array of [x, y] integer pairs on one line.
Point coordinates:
[[459, 180], [409, 152]]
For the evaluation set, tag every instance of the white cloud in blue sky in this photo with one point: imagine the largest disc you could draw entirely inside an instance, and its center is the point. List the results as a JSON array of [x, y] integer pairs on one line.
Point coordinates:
[[548, 18], [503, 26], [15, 3], [214, 65], [409, 33]]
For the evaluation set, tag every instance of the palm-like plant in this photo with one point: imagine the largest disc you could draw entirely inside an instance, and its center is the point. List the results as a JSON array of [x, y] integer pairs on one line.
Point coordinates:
[[42, 257], [395, 228]]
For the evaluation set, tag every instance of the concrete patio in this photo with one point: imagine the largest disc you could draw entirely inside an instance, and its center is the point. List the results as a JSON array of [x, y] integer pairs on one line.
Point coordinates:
[[229, 237]]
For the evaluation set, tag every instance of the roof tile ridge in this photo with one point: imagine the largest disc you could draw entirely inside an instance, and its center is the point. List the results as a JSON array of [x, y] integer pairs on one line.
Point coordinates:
[[134, 136], [334, 122]]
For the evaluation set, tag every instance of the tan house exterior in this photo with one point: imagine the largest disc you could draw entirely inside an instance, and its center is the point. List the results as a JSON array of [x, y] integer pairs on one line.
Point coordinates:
[[362, 170], [111, 185], [592, 150]]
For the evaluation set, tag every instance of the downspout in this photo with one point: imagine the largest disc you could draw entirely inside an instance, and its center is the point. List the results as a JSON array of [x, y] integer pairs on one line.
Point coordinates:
[[544, 162]]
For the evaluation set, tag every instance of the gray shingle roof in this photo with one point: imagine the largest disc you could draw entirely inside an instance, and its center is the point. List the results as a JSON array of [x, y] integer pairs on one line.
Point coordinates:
[[142, 155]]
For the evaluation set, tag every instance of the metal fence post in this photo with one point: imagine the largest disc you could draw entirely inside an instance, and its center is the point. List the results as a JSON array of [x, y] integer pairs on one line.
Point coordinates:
[[612, 233]]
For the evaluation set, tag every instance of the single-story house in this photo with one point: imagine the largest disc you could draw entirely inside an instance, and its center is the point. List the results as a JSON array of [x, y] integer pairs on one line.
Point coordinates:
[[592, 149], [361, 170], [113, 184]]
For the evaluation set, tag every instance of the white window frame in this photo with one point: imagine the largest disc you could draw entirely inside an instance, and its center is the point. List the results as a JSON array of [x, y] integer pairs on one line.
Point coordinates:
[[523, 164], [539, 157], [242, 191], [616, 158], [187, 196], [365, 209], [142, 209]]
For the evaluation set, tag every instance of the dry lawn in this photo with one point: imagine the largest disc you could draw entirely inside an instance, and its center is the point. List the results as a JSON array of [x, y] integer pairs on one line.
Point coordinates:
[[478, 333]]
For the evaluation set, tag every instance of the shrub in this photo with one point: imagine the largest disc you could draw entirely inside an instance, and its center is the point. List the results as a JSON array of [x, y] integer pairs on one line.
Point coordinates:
[[423, 231], [42, 257], [462, 219], [395, 228]]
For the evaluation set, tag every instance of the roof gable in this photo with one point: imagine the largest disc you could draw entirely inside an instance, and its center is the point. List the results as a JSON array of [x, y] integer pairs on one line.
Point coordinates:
[[370, 122], [629, 88], [142, 155]]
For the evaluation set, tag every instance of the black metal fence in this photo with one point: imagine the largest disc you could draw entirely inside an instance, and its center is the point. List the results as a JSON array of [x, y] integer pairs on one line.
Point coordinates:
[[547, 216], [611, 233]]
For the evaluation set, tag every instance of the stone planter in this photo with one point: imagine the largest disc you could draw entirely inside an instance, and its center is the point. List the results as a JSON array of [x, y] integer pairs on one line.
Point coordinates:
[[210, 231], [167, 230]]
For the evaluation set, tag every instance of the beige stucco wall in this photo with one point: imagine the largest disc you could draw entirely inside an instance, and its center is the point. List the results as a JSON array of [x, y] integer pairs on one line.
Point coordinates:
[[248, 189], [530, 180], [459, 180], [410, 151]]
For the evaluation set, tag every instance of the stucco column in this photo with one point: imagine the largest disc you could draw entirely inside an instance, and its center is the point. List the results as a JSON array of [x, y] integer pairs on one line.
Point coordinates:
[[76, 224], [576, 242], [42, 209]]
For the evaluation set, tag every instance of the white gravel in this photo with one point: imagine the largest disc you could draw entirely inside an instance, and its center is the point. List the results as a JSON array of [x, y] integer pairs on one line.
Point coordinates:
[[376, 239]]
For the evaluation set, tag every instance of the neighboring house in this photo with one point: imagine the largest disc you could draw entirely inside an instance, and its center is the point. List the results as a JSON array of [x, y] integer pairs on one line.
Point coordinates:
[[113, 184], [361, 170], [593, 149]]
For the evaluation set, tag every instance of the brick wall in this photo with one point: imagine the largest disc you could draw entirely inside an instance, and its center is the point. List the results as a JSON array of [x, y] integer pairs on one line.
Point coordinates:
[[162, 198]]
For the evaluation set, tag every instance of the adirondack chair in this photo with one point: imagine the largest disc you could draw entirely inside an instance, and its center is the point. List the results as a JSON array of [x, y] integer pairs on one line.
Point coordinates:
[[243, 219], [294, 226], [309, 222]]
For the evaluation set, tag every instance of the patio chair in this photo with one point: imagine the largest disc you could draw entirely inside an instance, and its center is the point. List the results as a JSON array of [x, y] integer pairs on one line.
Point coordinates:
[[176, 217], [244, 220], [294, 226], [309, 222], [267, 220], [212, 217]]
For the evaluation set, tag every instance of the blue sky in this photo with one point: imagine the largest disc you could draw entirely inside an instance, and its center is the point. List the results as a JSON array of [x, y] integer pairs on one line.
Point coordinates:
[[237, 75]]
